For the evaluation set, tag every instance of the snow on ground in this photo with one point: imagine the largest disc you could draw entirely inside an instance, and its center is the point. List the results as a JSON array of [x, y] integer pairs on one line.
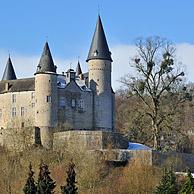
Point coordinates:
[[137, 146], [183, 173]]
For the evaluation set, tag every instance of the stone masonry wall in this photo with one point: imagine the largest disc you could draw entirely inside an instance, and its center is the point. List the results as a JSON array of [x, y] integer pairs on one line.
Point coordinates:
[[100, 83], [19, 120], [78, 117], [89, 140]]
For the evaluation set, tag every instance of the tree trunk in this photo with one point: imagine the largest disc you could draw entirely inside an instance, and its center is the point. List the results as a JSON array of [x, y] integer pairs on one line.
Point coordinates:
[[156, 137], [156, 142]]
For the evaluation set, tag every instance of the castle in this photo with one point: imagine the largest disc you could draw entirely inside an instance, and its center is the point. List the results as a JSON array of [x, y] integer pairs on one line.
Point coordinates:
[[70, 109], [48, 100]]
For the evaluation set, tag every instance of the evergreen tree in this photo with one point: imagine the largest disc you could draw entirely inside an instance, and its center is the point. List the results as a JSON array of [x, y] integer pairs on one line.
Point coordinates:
[[70, 187], [45, 184], [30, 187], [167, 184], [188, 186]]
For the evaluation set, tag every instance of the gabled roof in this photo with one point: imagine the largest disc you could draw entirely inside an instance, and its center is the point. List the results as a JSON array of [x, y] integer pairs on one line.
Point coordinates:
[[19, 85], [46, 63], [73, 87], [78, 69], [9, 73], [99, 47]]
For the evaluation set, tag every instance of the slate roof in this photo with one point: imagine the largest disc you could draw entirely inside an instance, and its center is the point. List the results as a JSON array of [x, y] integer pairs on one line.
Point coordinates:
[[46, 63], [99, 47], [19, 85], [9, 73], [70, 70], [78, 69]]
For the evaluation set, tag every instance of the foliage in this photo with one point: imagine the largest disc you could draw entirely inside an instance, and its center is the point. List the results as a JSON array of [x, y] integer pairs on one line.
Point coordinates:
[[168, 183], [188, 186], [45, 184], [159, 86], [92, 172], [30, 187], [70, 187]]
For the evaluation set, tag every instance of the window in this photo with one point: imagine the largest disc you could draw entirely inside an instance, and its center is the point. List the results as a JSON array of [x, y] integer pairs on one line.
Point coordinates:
[[73, 103], [62, 101], [32, 95], [22, 111], [13, 98], [0, 113], [22, 124], [81, 103], [13, 112], [72, 76], [48, 98]]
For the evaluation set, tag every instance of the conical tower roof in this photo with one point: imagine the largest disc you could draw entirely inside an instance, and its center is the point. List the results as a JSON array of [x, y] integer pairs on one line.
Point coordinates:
[[9, 73], [46, 63], [99, 47], [78, 69]]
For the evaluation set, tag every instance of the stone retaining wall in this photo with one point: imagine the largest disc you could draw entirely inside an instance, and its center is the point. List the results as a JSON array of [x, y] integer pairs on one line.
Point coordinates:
[[89, 140]]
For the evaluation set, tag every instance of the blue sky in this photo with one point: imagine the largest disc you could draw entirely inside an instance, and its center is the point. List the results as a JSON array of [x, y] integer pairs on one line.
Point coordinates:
[[69, 26]]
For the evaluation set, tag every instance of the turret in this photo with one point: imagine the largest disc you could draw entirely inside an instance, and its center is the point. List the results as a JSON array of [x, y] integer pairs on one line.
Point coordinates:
[[46, 97], [99, 47], [99, 61], [70, 75], [78, 69], [9, 73]]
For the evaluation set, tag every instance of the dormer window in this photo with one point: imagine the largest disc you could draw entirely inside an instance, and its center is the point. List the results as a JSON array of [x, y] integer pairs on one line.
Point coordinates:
[[95, 53], [38, 67]]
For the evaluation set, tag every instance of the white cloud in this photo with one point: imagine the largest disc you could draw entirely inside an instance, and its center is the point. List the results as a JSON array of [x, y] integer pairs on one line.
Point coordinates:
[[25, 66], [185, 54], [121, 55]]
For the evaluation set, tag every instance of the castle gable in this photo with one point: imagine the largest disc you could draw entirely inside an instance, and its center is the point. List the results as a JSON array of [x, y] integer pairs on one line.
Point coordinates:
[[74, 87]]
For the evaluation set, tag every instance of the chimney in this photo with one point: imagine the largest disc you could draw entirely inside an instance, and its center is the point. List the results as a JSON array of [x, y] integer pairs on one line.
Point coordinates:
[[7, 86]]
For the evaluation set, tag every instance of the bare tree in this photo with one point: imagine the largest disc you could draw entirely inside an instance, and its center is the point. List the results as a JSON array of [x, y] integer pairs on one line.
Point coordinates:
[[158, 78]]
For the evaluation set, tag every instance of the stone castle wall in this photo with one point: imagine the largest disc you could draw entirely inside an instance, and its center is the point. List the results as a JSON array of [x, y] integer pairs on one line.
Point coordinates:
[[24, 104], [80, 114], [29, 105], [178, 161], [89, 140]]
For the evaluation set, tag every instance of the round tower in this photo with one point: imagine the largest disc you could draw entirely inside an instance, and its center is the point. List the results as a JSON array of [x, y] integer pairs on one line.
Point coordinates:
[[99, 61], [46, 97]]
